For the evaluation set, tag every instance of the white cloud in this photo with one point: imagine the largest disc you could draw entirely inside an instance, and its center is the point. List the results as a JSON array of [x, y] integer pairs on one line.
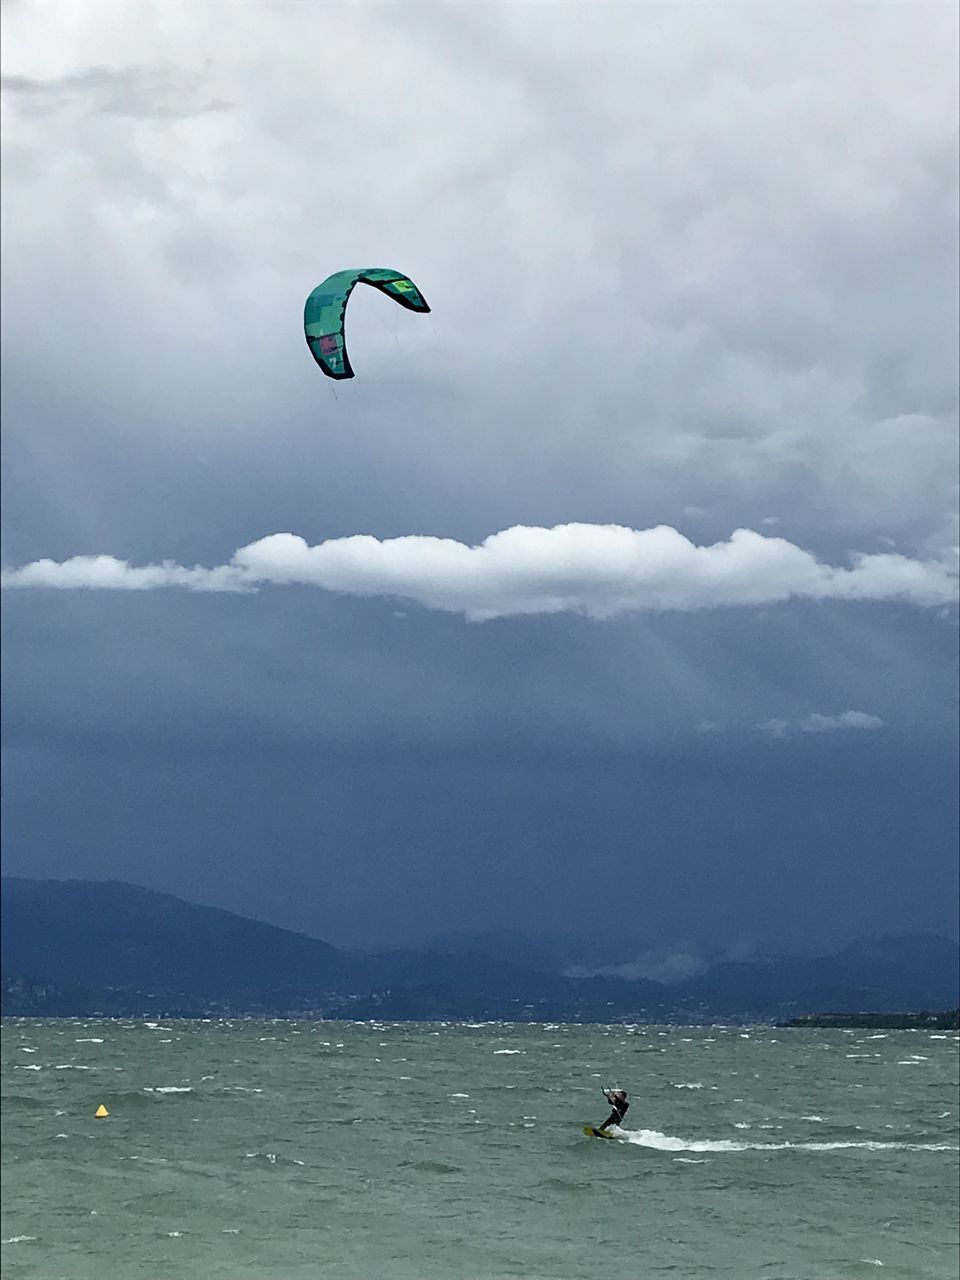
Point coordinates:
[[595, 570], [817, 722], [107, 573]]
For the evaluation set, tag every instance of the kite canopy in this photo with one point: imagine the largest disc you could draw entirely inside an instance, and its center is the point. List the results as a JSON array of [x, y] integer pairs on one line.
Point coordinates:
[[326, 307]]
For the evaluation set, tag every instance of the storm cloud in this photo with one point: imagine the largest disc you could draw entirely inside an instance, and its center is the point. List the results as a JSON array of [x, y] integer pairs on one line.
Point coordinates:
[[681, 430]]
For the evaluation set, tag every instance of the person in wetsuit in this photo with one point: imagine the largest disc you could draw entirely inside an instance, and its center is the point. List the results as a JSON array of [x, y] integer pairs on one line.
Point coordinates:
[[618, 1100]]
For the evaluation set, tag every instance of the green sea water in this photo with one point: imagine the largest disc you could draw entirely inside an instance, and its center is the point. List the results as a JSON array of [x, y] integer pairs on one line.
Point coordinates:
[[455, 1152]]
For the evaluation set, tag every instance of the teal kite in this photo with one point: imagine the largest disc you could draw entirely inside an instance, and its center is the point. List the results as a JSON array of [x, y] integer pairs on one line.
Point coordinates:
[[325, 309]]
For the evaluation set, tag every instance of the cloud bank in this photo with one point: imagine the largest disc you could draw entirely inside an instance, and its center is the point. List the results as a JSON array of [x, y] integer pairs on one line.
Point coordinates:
[[596, 570]]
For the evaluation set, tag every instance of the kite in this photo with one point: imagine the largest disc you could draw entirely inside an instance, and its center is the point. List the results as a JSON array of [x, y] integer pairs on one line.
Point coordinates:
[[325, 309]]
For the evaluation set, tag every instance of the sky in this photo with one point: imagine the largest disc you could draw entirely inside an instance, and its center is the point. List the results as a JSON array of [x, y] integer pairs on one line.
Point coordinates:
[[616, 595]]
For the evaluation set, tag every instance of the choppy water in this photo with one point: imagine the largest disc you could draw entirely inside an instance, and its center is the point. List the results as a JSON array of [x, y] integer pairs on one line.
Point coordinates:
[[455, 1152]]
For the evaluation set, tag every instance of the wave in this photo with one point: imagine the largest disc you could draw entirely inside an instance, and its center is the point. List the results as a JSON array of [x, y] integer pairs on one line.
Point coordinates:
[[19, 1101], [431, 1166], [272, 1158], [116, 1102], [657, 1141]]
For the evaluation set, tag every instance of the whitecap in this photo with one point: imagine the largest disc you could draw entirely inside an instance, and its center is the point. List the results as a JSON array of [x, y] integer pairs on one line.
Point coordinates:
[[172, 1088], [23, 1049], [509, 1051], [695, 1084], [18, 1239], [28, 1066], [459, 1095], [815, 1119], [89, 1040]]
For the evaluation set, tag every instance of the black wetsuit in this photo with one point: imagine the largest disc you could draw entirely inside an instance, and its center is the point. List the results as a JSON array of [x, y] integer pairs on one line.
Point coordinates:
[[620, 1108]]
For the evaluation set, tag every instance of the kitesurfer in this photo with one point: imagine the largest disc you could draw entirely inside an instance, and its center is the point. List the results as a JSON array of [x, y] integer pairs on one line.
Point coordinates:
[[618, 1100]]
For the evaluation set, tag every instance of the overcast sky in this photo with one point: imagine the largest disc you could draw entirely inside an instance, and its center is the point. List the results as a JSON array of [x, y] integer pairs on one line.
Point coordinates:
[[618, 592]]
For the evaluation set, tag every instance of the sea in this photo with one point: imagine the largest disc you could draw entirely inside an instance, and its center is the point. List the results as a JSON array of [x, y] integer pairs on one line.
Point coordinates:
[[455, 1151]]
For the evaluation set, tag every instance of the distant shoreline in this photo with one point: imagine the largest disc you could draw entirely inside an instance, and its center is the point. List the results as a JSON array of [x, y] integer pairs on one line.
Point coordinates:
[[946, 1021]]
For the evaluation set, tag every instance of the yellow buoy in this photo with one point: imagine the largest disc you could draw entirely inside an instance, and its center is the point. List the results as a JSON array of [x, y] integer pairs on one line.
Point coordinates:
[[101, 1111]]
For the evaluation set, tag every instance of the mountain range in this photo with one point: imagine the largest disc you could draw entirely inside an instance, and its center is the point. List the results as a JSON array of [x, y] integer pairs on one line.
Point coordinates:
[[76, 947]]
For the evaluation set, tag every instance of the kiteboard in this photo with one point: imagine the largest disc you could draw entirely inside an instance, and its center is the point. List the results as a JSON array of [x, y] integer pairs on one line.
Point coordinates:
[[591, 1132]]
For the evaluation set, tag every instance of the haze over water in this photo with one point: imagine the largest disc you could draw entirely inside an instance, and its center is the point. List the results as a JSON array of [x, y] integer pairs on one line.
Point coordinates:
[[455, 1151]]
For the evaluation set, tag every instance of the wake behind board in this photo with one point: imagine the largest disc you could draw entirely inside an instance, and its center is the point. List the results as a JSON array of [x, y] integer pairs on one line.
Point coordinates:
[[589, 1130]]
